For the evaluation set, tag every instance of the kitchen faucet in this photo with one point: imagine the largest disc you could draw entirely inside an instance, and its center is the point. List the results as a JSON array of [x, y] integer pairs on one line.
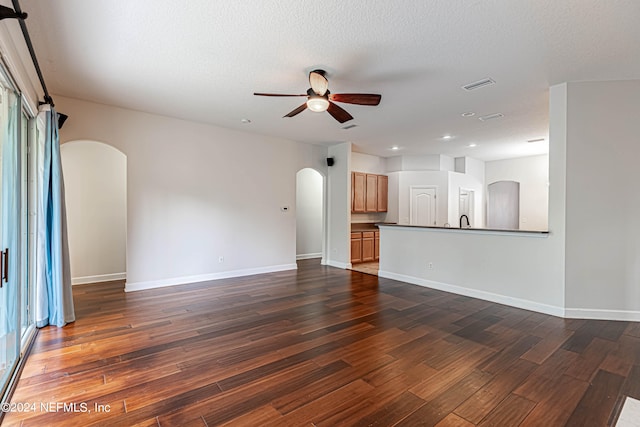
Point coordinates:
[[468, 223]]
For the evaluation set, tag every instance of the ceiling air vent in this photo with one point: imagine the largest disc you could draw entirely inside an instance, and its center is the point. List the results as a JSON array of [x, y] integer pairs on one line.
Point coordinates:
[[349, 127], [491, 116], [536, 140], [479, 84]]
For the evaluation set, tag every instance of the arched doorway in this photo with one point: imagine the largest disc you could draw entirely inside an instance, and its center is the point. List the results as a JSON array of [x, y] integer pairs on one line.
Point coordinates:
[[95, 176], [310, 216]]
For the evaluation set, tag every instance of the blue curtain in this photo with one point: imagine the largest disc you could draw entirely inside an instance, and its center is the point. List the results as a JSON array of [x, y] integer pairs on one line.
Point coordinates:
[[53, 291]]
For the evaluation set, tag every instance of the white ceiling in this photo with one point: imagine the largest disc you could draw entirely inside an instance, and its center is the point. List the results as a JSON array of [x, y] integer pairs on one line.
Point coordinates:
[[202, 60]]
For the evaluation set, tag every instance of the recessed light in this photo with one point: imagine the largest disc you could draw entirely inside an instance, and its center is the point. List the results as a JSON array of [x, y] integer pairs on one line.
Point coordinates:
[[395, 147], [536, 140], [472, 145], [245, 121], [468, 114], [446, 137]]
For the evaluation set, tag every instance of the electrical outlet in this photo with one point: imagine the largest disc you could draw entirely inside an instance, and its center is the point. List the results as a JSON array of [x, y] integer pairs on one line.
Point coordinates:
[[430, 266], [220, 259]]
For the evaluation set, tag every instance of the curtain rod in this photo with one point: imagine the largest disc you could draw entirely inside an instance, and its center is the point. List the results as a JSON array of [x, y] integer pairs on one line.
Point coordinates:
[[21, 16]]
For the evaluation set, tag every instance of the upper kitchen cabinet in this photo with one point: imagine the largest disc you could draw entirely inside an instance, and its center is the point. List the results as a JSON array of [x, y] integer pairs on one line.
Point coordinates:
[[371, 196], [358, 191], [383, 193], [369, 192]]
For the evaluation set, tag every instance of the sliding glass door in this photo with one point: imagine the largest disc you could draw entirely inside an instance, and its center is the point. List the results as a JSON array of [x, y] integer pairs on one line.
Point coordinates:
[[10, 200], [16, 319]]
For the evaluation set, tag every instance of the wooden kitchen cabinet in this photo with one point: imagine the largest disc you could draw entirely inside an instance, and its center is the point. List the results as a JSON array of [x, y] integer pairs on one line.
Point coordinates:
[[356, 247], [369, 192], [371, 196], [368, 246], [358, 191], [383, 193], [365, 246]]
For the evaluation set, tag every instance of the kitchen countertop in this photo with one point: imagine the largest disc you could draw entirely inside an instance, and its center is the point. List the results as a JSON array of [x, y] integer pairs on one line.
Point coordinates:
[[456, 229], [364, 226]]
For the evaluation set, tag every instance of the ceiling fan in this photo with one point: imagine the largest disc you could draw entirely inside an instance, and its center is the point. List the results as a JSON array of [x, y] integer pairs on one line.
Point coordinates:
[[319, 98]]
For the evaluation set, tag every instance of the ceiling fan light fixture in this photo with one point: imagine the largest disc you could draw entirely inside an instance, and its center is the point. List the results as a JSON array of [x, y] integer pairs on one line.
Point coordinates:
[[317, 104]]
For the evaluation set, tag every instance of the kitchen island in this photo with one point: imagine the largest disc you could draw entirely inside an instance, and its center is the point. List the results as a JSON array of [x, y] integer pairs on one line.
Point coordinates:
[[520, 268]]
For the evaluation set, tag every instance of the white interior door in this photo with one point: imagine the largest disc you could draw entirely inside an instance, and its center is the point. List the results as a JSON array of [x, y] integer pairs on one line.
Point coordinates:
[[423, 206], [503, 205], [466, 205]]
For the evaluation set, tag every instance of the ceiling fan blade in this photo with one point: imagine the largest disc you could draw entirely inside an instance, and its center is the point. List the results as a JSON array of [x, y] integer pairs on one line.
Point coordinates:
[[339, 113], [298, 110], [356, 98], [319, 82], [276, 94]]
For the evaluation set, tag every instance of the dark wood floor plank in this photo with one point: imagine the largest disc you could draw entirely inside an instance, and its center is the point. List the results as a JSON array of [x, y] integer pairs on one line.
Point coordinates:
[[593, 355], [393, 412], [324, 406], [549, 343], [433, 386], [438, 408], [510, 412], [510, 354], [322, 346], [452, 420], [495, 391], [598, 401], [631, 386], [556, 406]]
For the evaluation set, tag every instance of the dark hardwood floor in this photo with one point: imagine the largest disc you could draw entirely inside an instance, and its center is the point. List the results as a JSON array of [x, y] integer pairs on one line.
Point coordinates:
[[322, 346]]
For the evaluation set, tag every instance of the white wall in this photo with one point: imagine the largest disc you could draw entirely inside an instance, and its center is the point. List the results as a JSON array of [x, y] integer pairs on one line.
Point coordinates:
[[556, 250], [197, 192], [368, 164], [507, 268], [421, 163], [95, 176], [447, 163], [309, 213], [393, 207], [475, 168], [603, 202], [434, 162], [533, 175], [339, 209]]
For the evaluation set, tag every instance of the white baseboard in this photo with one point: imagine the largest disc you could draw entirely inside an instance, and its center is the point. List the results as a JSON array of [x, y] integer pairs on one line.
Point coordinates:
[[98, 278], [139, 286], [597, 314], [309, 256], [338, 264], [487, 296]]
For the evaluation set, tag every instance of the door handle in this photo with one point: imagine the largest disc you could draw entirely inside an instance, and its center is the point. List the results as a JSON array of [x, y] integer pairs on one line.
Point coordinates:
[[1, 267], [5, 266]]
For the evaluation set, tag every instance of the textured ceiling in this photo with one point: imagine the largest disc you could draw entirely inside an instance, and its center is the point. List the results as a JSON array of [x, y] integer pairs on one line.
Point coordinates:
[[202, 60]]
